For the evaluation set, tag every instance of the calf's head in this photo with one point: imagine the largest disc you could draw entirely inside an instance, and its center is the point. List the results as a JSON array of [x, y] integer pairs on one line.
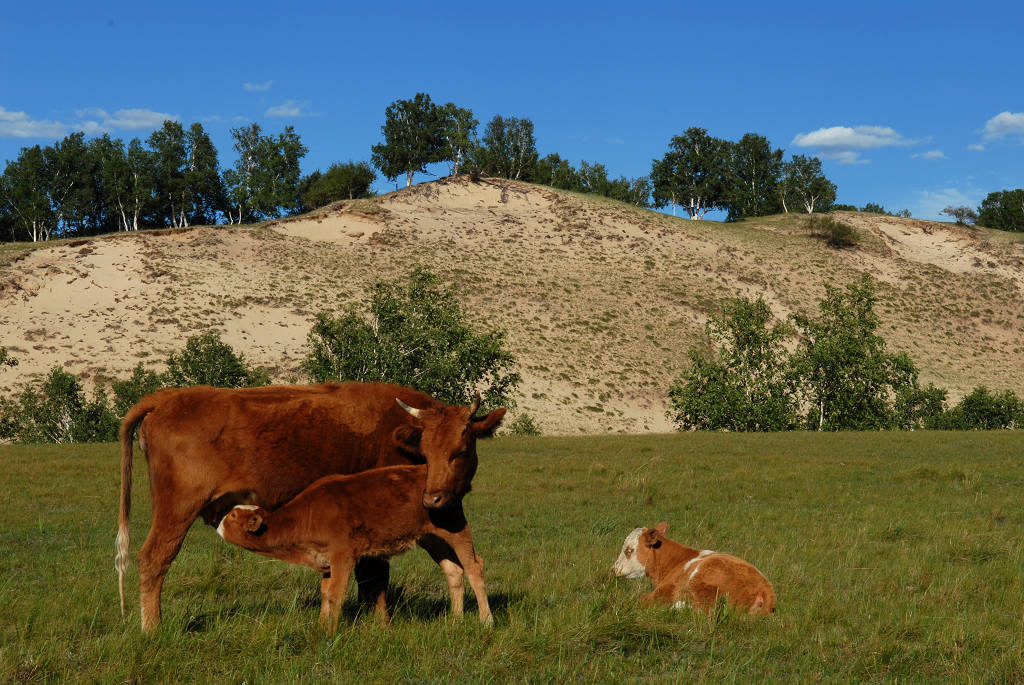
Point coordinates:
[[242, 519], [446, 439], [638, 551]]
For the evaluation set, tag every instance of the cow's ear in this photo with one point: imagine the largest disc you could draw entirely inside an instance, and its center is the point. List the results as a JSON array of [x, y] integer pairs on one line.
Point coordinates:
[[254, 522], [652, 537], [407, 438], [662, 527], [485, 427]]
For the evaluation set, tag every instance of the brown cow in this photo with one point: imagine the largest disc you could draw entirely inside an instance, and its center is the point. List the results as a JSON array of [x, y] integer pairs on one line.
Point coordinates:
[[684, 575], [209, 449], [376, 513]]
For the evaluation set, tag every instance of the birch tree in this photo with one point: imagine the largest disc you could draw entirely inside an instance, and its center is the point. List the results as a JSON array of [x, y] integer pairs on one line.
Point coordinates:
[[413, 138], [808, 184], [692, 173], [22, 190]]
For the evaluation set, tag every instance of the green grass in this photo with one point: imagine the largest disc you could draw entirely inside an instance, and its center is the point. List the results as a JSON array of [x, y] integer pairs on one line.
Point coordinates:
[[895, 558]]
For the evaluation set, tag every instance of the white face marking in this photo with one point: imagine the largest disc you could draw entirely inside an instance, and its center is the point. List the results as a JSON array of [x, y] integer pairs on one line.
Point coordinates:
[[220, 526], [627, 565]]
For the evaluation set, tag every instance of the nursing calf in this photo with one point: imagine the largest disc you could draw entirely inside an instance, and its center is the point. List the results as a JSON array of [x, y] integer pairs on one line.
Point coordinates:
[[684, 575], [376, 513]]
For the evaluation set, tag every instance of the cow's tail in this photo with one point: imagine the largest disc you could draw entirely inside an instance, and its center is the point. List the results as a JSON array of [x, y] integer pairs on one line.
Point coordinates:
[[128, 425]]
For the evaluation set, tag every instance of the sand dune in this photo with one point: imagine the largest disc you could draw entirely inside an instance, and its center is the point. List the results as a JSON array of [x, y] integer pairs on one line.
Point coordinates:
[[601, 301]]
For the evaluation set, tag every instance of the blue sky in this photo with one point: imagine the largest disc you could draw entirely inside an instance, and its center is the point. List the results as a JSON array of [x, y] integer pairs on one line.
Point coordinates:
[[910, 105]]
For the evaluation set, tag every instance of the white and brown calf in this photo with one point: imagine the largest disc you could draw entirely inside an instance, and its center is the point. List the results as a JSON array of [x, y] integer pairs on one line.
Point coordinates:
[[683, 575]]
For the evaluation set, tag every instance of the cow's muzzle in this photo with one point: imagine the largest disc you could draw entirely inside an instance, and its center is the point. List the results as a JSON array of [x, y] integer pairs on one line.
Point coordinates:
[[438, 499]]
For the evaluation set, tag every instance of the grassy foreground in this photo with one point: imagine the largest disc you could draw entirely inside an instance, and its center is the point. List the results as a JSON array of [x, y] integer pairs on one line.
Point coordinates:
[[895, 557]]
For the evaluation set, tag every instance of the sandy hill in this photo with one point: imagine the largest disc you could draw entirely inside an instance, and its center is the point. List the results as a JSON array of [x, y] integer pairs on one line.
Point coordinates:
[[601, 301]]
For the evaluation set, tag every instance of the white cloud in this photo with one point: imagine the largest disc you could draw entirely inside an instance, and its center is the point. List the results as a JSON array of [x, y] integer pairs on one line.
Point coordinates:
[[845, 157], [257, 87], [1005, 124], [92, 121], [20, 125], [138, 119], [842, 143], [288, 109], [977, 147], [931, 154], [838, 138]]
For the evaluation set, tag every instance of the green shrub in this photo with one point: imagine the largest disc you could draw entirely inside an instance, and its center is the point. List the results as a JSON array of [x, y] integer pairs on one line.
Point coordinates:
[[128, 392], [745, 387], [839, 376], [6, 359], [985, 410], [206, 360], [835, 233], [57, 411], [414, 334], [524, 425]]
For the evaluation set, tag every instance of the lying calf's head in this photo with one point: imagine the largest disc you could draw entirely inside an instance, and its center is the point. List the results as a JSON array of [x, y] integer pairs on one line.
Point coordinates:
[[243, 518], [637, 550]]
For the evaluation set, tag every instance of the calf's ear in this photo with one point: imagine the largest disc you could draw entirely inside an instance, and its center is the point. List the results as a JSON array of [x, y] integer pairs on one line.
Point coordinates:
[[254, 522], [652, 537], [485, 427]]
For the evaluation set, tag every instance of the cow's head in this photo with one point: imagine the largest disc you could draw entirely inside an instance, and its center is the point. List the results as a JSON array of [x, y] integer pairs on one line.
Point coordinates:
[[446, 439]]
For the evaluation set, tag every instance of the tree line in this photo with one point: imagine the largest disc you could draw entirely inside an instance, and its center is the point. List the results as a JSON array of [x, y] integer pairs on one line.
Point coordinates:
[[173, 178], [77, 187], [699, 172]]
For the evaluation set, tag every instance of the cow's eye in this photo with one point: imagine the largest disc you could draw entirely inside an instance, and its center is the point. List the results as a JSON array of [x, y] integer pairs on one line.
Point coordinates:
[[629, 551]]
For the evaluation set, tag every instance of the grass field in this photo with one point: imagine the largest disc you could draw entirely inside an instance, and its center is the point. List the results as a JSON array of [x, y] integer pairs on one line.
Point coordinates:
[[895, 558]]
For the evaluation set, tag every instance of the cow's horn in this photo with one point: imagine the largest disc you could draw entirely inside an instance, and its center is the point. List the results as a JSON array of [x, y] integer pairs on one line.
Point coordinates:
[[476, 404], [417, 413]]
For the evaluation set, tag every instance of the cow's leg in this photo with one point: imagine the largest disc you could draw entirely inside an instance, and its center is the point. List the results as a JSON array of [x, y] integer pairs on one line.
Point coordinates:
[[166, 534], [445, 557], [372, 575], [333, 590], [473, 565]]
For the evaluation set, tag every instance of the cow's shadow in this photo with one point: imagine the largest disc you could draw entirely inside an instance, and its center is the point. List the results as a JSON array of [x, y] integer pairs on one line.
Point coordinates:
[[408, 605], [403, 605]]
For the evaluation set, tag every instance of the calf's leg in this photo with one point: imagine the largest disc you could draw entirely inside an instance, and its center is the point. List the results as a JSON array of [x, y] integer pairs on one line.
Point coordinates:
[[332, 590], [445, 557], [473, 565]]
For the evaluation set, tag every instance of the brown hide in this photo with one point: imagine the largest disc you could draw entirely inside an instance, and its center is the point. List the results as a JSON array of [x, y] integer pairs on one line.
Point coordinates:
[[710, 578], [377, 513], [211, 448]]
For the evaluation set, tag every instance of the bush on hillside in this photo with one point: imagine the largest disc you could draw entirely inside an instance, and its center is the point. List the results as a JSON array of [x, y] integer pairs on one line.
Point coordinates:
[[985, 410], [524, 425], [58, 411], [835, 233], [138, 385], [206, 360], [745, 387], [414, 333], [839, 377]]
